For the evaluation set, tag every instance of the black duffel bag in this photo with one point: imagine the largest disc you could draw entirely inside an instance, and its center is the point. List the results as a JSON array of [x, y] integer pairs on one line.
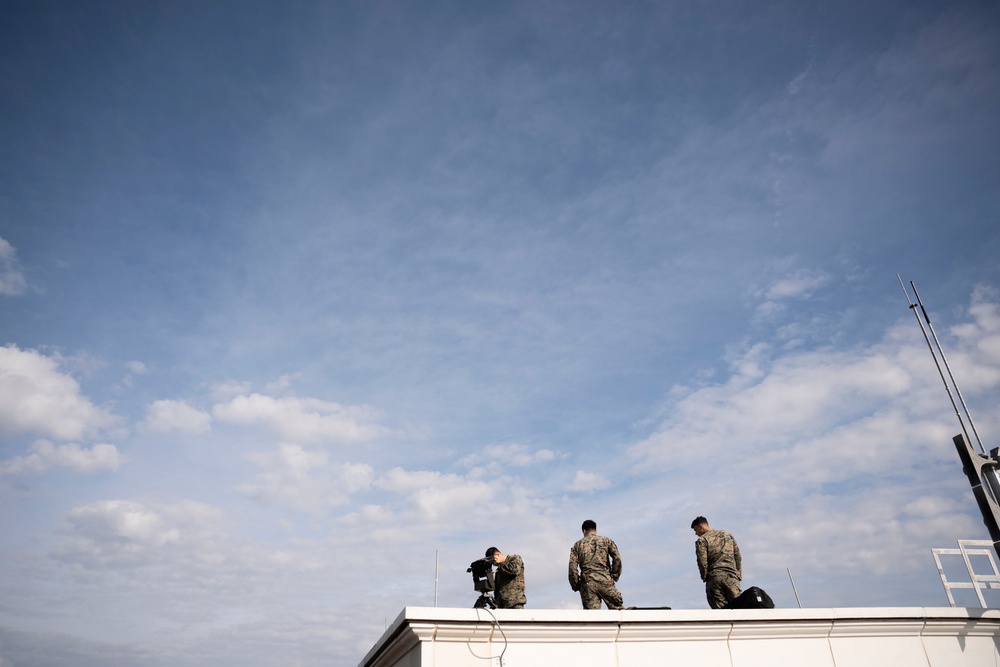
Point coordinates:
[[751, 598]]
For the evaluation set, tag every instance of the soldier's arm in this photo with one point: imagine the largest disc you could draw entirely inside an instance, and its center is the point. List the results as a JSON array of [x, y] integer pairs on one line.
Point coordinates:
[[513, 565], [616, 560], [701, 552], [574, 575], [738, 559]]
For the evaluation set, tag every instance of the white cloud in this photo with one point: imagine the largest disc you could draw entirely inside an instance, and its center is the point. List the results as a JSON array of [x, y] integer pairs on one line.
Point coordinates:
[[876, 531], [36, 397], [795, 84], [589, 481], [778, 402], [519, 455], [356, 476], [165, 416], [498, 457], [796, 284], [304, 479], [126, 520], [136, 367], [12, 281], [976, 361], [302, 419], [44, 455], [283, 383], [799, 284], [435, 495], [224, 391], [116, 533]]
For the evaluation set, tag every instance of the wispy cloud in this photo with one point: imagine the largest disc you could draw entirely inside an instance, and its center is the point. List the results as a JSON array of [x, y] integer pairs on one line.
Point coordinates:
[[585, 481], [799, 285], [435, 495], [304, 479], [130, 534], [165, 416], [12, 280], [44, 455], [303, 419]]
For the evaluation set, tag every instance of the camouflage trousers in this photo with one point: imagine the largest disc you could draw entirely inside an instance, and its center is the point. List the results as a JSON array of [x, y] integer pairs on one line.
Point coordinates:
[[592, 591], [720, 590]]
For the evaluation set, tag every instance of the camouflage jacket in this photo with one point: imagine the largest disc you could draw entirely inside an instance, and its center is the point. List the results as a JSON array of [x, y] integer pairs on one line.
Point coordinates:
[[594, 557], [508, 583], [718, 555]]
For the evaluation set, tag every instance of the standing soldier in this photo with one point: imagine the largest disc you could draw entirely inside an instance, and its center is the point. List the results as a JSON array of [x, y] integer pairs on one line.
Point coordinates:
[[508, 590], [599, 564], [719, 563]]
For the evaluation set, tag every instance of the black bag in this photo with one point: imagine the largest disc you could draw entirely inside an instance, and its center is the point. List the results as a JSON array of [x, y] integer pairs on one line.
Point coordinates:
[[751, 598]]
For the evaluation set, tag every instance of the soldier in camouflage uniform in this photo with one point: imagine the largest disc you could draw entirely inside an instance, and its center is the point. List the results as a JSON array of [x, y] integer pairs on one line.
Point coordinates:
[[508, 581], [719, 563], [594, 567]]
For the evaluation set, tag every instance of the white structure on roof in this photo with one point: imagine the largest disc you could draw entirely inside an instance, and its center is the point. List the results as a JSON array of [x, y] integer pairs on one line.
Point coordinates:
[[982, 551], [850, 637]]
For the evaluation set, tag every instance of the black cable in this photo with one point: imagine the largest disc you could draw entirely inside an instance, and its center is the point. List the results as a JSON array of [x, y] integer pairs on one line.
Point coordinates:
[[497, 624]]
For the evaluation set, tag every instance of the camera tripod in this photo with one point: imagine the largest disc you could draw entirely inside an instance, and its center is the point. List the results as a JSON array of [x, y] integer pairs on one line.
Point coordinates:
[[485, 601]]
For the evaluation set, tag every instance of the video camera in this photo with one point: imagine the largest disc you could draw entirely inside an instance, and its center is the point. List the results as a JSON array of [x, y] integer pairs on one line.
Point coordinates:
[[482, 574]]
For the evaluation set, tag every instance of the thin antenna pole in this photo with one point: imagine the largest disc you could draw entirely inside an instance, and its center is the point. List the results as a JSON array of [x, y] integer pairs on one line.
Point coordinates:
[[930, 347], [793, 588], [435, 577], [958, 391]]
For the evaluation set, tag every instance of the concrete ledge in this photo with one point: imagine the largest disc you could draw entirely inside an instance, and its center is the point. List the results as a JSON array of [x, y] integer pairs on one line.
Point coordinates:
[[843, 637]]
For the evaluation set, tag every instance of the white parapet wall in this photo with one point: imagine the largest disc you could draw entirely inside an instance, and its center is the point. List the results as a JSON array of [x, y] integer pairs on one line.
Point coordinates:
[[848, 637]]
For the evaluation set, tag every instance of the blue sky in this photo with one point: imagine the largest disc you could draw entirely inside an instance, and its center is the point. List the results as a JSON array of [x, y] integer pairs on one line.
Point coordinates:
[[296, 296]]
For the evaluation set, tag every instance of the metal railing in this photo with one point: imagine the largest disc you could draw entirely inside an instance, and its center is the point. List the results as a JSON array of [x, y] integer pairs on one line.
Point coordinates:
[[968, 549]]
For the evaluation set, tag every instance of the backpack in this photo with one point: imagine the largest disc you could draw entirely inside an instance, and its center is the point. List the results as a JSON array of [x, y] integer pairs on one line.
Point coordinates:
[[751, 598]]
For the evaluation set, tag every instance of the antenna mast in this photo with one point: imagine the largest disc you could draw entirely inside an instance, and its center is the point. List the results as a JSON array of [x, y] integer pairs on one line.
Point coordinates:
[[934, 355], [977, 466]]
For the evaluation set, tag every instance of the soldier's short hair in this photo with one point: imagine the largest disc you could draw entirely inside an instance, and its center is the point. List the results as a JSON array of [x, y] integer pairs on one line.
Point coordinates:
[[589, 524], [491, 551], [699, 521]]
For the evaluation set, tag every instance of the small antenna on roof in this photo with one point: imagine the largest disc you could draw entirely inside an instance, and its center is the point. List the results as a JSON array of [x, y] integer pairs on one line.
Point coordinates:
[[797, 601]]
